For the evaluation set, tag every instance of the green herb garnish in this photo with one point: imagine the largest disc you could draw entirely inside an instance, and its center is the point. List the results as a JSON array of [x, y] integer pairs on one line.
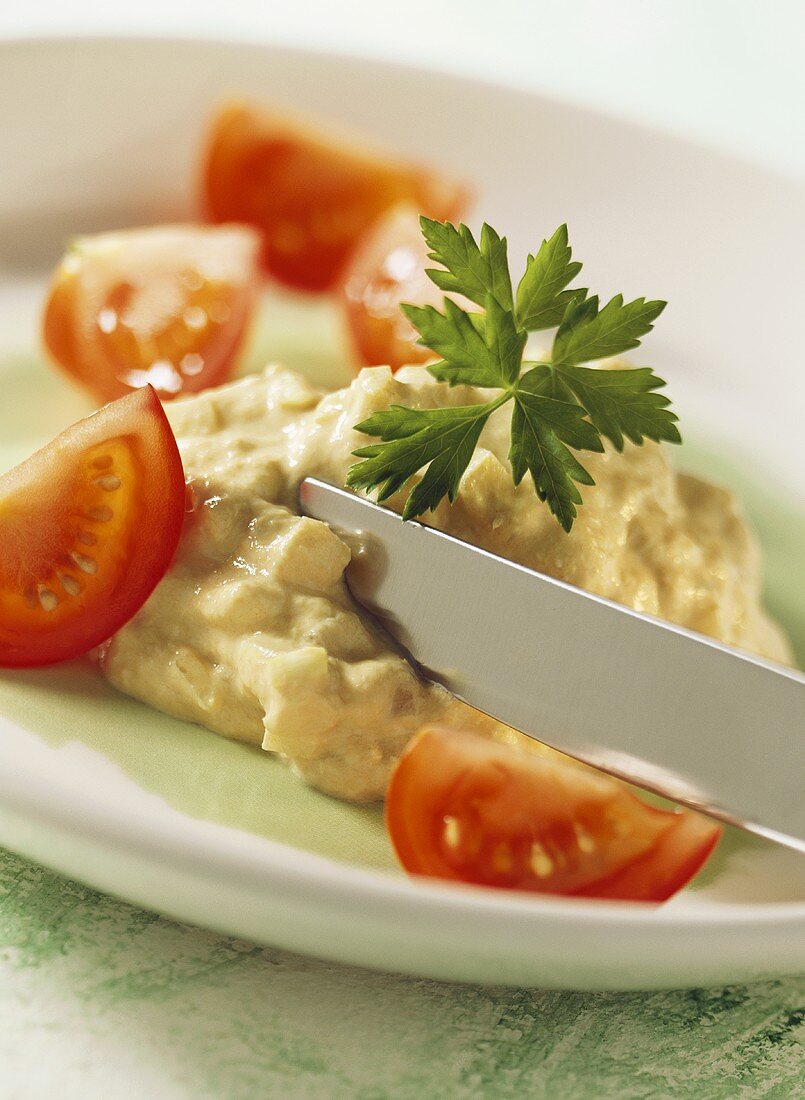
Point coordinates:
[[560, 406]]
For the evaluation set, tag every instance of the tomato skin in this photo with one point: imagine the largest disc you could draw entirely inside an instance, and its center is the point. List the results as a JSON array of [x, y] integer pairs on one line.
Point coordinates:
[[88, 528], [463, 808], [388, 268], [678, 855], [167, 306], [311, 195]]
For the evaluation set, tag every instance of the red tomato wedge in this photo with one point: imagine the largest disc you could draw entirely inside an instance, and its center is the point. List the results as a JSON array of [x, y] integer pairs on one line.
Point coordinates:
[[388, 268], [166, 306], [311, 194], [88, 527], [465, 808]]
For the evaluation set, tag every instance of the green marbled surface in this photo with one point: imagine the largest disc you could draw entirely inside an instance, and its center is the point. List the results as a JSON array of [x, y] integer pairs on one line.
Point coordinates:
[[98, 999]]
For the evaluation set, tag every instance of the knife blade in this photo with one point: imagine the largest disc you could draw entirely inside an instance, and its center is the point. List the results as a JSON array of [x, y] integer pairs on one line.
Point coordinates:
[[663, 707]]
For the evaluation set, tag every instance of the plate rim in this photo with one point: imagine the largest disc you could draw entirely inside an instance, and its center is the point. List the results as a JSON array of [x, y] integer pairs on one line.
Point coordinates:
[[23, 40], [47, 803], [285, 866]]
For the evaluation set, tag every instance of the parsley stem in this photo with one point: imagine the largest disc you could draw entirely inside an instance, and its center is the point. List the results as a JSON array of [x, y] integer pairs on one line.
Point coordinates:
[[501, 399]]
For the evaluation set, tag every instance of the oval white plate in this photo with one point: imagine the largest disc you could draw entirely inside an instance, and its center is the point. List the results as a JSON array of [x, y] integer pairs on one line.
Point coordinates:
[[104, 133]]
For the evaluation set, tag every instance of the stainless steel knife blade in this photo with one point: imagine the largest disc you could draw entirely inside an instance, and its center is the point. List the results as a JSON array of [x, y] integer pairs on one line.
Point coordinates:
[[670, 710]]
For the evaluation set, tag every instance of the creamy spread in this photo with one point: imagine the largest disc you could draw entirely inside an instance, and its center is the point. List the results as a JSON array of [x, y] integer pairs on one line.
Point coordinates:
[[253, 632]]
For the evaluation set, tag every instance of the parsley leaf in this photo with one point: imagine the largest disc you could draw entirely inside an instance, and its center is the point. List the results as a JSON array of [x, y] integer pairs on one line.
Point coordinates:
[[542, 425], [494, 340], [558, 406], [541, 296], [441, 439], [452, 334], [623, 402], [474, 272], [587, 333]]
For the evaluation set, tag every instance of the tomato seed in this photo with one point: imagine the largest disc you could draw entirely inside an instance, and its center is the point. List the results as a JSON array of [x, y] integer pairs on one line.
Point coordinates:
[[69, 584], [584, 841], [100, 515], [108, 483], [541, 863], [452, 832], [48, 599], [88, 565]]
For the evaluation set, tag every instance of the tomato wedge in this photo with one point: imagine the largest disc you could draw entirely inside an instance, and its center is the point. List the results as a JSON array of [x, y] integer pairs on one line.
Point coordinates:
[[465, 808], [88, 527], [166, 306], [388, 268], [310, 194]]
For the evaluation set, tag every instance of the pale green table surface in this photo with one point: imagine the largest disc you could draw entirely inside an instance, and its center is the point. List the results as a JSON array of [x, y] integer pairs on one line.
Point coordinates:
[[109, 1001]]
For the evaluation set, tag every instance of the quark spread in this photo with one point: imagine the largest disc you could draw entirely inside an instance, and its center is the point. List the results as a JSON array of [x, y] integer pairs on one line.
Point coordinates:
[[253, 633]]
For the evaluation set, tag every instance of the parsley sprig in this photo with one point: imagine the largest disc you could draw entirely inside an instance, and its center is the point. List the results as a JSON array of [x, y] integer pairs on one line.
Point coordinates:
[[559, 405]]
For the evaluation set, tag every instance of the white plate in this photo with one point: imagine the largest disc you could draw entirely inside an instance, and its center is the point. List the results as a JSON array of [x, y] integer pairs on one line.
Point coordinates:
[[104, 133]]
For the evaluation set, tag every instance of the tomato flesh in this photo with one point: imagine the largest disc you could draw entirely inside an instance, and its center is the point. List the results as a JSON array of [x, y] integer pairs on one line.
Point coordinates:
[[679, 854], [465, 808], [88, 527], [311, 196], [166, 306], [388, 268]]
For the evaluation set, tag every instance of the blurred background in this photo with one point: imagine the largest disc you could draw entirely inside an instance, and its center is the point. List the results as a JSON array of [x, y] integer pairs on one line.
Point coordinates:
[[727, 71]]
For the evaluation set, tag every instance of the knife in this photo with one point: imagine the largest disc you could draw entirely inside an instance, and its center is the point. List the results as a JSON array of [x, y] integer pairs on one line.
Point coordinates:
[[663, 707]]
